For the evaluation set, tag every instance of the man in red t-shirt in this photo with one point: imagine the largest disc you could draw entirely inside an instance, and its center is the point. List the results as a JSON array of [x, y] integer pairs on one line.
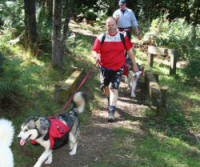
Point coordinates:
[[110, 54]]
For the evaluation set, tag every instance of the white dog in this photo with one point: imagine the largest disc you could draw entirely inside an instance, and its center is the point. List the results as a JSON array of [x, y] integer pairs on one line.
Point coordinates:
[[131, 78], [132, 81], [6, 138]]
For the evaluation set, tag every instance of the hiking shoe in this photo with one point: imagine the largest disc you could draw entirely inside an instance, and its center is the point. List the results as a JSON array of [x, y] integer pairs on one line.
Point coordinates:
[[111, 115]]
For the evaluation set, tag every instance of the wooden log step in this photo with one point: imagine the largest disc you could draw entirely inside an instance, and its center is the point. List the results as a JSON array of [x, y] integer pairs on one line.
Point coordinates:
[[64, 89]]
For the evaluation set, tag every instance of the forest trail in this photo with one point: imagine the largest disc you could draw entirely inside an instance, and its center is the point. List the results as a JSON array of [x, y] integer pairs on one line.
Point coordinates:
[[97, 139]]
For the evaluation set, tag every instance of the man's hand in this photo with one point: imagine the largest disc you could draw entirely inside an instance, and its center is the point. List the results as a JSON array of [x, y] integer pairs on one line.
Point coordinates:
[[136, 30], [96, 56], [98, 59], [136, 75]]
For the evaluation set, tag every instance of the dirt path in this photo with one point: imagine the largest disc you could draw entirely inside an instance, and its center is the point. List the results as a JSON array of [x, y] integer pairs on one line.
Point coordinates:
[[96, 139]]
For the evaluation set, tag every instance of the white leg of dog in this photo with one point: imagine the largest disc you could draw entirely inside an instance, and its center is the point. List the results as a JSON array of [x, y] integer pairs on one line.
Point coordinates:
[[43, 157], [74, 148], [73, 144], [133, 86], [49, 159], [125, 79]]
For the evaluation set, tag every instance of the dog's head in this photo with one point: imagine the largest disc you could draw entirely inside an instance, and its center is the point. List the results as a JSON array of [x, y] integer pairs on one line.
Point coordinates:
[[33, 128], [136, 75]]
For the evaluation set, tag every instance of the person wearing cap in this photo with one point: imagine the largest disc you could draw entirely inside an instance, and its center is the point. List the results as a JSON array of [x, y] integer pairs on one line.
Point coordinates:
[[110, 55], [126, 19]]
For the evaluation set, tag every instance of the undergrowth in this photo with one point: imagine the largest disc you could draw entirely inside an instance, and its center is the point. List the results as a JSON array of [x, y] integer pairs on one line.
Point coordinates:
[[178, 35]]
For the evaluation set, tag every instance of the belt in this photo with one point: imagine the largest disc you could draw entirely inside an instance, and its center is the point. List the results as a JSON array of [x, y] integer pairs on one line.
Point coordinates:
[[125, 29], [105, 69]]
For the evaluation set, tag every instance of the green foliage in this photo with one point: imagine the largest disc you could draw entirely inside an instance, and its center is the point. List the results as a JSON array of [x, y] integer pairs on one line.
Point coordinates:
[[182, 37], [12, 15], [177, 9], [16, 77], [10, 77], [175, 117], [182, 104]]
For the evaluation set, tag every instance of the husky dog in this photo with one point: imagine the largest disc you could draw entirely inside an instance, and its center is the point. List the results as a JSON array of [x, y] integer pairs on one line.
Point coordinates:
[[54, 132], [6, 138]]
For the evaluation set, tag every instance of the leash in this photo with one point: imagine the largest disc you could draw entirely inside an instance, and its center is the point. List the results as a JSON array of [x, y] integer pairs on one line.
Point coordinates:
[[81, 84]]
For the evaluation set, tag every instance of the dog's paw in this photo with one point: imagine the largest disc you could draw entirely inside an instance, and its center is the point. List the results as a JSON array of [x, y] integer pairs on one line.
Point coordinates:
[[48, 161], [133, 95], [72, 153], [37, 165]]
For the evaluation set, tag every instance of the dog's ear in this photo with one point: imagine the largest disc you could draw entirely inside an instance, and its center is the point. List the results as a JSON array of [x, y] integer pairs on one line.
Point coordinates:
[[31, 118], [30, 121], [43, 125]]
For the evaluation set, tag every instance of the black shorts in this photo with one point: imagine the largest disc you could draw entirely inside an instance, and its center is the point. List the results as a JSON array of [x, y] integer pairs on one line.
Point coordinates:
[[110, 78]]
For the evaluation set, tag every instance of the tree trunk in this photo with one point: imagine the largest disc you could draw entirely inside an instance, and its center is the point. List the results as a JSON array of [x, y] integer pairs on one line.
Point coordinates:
[[187, 11], [197, 13], [69, 6], [57, 55], [30, 24], [197, 20], [49, 7]]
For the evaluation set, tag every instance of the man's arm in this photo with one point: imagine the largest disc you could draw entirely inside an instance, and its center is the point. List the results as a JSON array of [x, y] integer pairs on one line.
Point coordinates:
[[116, 16], [96, 49], [132, 57], [134, 22]]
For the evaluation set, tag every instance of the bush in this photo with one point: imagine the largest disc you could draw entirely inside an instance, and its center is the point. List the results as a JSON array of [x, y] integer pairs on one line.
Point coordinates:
[[16, 79], [181, 36]]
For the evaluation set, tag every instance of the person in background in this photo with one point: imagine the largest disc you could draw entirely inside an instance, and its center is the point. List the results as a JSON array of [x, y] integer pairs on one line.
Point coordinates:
[[126, 19], [111, 56]]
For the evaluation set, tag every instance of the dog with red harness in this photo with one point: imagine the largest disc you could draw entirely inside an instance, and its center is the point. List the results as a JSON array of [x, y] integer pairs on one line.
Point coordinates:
[[54, 132]]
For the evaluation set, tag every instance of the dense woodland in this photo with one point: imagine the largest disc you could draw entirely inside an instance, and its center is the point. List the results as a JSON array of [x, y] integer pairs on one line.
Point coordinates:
[[38, 21]]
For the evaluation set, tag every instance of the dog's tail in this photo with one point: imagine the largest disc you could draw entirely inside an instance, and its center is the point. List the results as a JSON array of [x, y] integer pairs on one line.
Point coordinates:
[[6, 132], [79, 102]]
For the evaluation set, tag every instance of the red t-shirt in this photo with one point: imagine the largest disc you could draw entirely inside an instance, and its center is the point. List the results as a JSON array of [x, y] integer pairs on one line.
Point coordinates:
[[112, 50]]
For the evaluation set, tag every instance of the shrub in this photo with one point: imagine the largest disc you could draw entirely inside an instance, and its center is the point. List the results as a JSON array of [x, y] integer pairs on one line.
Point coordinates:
[[181, 36]]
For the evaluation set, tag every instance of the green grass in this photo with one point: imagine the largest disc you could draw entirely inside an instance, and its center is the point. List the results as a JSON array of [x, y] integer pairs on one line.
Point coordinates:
[[149, 149]]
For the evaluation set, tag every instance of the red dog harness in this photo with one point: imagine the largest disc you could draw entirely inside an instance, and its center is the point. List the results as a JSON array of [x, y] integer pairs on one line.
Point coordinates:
[[57, 130]]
